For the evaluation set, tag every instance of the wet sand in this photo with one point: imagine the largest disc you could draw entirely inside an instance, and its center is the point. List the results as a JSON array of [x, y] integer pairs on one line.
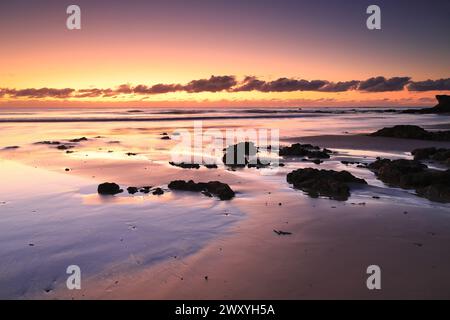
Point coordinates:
[[184, 245]]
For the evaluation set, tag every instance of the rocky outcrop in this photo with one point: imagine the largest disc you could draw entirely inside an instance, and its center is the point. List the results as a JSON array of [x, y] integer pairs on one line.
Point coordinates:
[[219, 189], [440, 155], [305, 150], [412, 132], [443, 106], [326, 183], [108, 188], [412, 174]]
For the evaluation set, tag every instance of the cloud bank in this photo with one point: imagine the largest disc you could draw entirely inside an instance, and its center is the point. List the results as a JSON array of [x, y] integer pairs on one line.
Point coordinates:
[[229, 83]]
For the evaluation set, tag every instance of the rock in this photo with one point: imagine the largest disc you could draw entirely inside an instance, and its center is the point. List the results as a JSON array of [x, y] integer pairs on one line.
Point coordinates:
[[158, 191], [132, 190], [52, 143], [165, 138], [412, 174], [304, 150], [282, 233], [108, 188], [130, 154], [79, 140], [440, 155], [64, 147], [412, 132], [211, 166], [239, 155], [219, 189], [11, 148], [328, 183], [145, 189], [185, 165], [443, 106]]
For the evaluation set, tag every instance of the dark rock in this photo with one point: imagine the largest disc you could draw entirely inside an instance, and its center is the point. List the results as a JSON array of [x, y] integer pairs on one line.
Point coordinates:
[[328, 183], [185, 165], [282, 233], [132, 190], [64, 147], [219, 189], [158, 191], [145, 189], [79, 140], [11, 148], [411, 174], [440, 155], [165, 138], [412, 132], [108, 188], [238, 155], [211, 166], [304, 150], [130, 154], [443, 106], [52, 143]]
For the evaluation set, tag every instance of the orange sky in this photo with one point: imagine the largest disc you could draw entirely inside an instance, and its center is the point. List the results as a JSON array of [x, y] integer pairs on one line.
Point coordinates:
[[129, 45]]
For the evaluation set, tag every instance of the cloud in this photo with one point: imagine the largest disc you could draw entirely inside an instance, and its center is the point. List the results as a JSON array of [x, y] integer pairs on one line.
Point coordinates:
[[430, 85], [340, 86], [249, 83], [40, 93], [213, 84], [381, 84], [230, 84], [289, 85]]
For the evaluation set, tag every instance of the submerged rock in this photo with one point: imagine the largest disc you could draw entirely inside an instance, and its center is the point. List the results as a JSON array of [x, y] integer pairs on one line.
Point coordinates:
[[412, 132], [219, 189], [327, 183], [412, 174], [108, 188]]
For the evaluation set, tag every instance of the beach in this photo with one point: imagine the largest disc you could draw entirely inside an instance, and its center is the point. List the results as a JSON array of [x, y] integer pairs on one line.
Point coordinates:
[[187, 245]]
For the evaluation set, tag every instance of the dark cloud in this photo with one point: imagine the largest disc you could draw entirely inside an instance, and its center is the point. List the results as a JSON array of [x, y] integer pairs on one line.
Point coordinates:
[[381, 84], [229, 83], [289, 85], [250, 84], [94, 93], [41, 93], [430, 85], [213, 84], [340, 86], [124, 89]]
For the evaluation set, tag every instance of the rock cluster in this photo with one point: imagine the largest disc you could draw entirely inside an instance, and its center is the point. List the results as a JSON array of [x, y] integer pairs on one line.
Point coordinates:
[[441, 155], [219, 189], [412, 174], [327, 183], [305, 150]]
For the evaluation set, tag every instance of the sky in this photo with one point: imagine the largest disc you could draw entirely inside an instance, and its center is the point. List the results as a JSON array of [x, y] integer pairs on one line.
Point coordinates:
[[224, 53]]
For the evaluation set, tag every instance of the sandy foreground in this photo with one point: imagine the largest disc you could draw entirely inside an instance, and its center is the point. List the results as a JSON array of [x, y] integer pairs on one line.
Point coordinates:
[[326, 257]]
